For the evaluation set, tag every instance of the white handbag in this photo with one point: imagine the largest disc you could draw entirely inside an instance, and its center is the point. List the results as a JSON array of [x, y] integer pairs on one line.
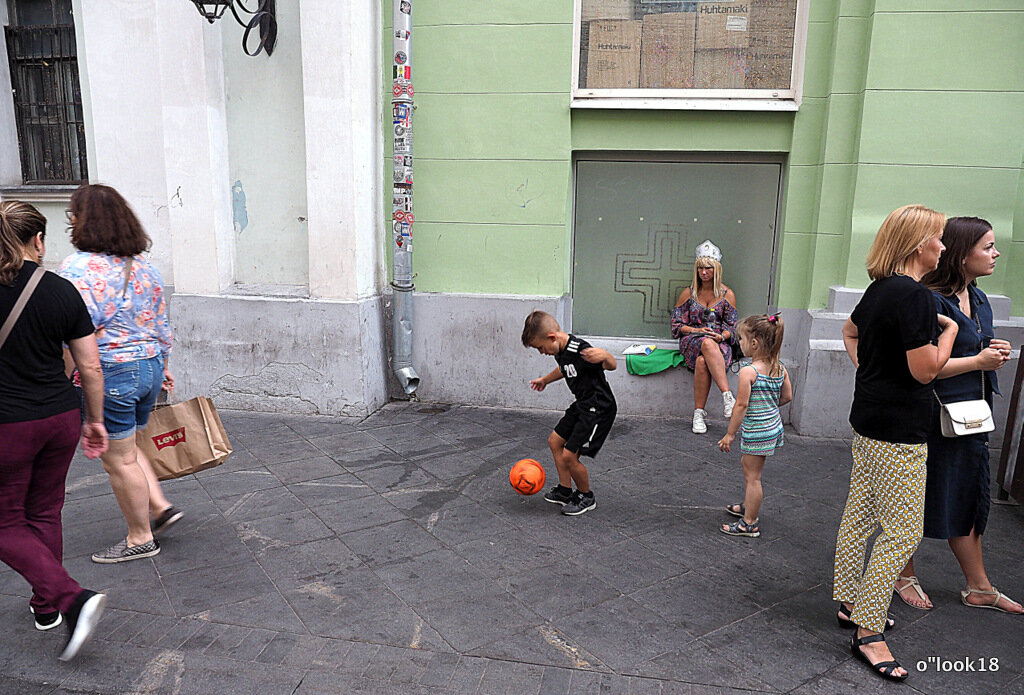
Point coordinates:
[[966, 417]]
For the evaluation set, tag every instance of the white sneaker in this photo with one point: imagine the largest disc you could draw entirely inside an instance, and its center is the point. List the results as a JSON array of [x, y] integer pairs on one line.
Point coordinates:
[[728, 401], [698, 421]]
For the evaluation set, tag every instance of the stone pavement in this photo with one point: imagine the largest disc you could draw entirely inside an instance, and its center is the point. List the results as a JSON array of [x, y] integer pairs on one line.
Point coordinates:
[[390, 555]]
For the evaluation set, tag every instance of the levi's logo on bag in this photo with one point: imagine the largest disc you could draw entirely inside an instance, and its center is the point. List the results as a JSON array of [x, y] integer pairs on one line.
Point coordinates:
[[162, 441]]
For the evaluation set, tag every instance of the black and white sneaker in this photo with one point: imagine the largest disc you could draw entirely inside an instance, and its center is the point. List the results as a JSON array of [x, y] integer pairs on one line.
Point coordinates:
[[579, 504], [46, 621], [167, 518], [81, 619], [559, 495], [121, 552]]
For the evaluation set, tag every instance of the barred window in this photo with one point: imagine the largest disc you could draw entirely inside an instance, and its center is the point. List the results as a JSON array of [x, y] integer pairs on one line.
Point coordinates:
[[729, 50], [43, 61]]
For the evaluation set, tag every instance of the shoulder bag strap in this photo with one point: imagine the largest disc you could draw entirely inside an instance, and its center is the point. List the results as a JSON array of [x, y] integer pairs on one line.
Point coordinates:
[[19, 305], [977, 320]]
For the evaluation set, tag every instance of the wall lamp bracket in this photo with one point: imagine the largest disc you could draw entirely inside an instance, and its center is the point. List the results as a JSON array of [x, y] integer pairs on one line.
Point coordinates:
[[263, 18]]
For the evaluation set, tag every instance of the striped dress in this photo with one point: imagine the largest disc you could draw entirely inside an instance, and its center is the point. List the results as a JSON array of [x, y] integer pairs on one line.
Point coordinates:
[[761, 431]]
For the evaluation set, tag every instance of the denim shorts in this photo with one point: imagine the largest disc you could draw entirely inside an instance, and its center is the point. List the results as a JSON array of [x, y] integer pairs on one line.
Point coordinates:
[[129, 392]]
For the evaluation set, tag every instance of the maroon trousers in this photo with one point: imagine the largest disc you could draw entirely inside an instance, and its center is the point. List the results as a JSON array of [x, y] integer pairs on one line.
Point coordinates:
[[34, 461]]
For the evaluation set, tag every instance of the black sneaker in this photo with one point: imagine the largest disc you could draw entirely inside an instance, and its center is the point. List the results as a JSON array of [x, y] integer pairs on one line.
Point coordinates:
[[559, 495], [579, 504], [46, 621], [168, 518], [82, 618]]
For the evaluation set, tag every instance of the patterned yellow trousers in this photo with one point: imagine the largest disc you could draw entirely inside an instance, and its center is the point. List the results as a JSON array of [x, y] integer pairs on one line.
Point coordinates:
[[887, 486]]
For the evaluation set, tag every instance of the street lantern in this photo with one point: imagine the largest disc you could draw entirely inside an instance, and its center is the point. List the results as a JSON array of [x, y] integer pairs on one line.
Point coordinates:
[[212, 9], [264, 17]]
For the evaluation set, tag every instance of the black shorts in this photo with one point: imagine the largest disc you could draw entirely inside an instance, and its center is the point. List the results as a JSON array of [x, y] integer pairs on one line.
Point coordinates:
[[583, 431]]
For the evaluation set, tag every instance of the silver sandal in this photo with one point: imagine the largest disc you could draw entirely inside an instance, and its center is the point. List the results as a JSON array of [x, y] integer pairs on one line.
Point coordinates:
[[994, 605], [912, 581]]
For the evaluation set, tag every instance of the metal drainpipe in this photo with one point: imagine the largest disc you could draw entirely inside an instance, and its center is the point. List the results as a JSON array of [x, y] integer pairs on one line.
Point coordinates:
[[401, 216]]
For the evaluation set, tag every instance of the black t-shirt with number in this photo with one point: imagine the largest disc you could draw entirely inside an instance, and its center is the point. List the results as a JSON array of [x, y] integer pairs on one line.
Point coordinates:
[[896, 314], [586, 380], [33, 384]]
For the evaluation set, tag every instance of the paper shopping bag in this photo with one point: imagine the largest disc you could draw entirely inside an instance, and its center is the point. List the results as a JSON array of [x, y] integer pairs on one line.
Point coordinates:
[[184, 438]]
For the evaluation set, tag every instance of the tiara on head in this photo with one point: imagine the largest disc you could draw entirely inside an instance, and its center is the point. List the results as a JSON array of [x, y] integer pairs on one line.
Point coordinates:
[[708, 250]]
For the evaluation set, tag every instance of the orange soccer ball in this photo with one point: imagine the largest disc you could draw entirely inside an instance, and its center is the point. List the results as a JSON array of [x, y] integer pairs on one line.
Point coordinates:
[[527, 477]]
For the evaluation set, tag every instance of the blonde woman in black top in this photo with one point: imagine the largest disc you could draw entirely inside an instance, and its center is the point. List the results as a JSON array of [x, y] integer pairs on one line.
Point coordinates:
[[899, 344]]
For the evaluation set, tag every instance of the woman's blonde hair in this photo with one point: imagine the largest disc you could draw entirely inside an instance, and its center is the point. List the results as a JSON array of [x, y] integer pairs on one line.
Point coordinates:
[[905, 229], [19, 222], [716, 282]]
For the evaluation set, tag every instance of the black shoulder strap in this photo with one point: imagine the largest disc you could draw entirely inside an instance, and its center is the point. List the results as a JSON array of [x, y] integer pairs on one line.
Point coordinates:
[[19, 305]]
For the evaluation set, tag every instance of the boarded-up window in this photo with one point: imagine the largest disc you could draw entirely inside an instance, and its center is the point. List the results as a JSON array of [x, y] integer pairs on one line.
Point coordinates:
[[687, 44]]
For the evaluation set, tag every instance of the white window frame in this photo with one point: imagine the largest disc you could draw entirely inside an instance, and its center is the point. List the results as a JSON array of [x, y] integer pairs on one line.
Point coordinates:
[[694, 99]]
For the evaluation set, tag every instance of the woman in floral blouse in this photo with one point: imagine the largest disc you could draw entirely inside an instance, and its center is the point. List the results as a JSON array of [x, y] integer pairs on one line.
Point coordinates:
[[704, 321], [124, 294]]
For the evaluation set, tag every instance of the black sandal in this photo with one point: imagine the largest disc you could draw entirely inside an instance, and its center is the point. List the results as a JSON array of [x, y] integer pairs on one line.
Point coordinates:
[[741, 528], [736, 509], [848, 624], [882, 669]]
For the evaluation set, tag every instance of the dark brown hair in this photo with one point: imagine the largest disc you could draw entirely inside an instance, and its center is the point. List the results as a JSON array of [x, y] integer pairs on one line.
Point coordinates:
[[767, 330], [537, 325], [959, 237], [104, 223], [19, 222]]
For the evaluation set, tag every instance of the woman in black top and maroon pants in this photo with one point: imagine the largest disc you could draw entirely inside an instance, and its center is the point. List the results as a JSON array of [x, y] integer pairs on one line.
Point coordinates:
[[891, 338], [41, 422]]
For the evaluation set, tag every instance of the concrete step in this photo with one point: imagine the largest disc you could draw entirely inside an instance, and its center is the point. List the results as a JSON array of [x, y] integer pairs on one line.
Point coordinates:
[[826, 325]]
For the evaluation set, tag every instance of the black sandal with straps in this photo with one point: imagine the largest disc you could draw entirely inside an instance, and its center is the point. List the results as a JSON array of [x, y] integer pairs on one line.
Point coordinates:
[[883, 669], [846, 623]]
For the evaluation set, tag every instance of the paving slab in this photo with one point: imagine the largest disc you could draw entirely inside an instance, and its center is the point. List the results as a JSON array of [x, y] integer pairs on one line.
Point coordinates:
[[389, 554]]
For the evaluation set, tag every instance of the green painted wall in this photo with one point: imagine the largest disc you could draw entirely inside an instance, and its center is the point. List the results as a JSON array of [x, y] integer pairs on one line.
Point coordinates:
[[491, 144], [920, 105], [900, 105]]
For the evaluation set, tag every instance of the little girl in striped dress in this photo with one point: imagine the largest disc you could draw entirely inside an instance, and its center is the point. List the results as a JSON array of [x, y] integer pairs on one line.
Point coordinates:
[[764, 386]]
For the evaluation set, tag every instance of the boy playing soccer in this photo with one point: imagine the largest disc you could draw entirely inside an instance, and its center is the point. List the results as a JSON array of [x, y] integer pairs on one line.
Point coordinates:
[[586, 423]]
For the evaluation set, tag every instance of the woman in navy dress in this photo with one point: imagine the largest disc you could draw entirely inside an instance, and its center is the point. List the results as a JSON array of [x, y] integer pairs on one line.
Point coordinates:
[[957, 489]]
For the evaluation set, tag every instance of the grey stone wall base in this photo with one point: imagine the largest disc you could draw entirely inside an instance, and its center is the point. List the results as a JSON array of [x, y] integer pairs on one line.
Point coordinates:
[[467, 349], [821, 400], [280, 355]]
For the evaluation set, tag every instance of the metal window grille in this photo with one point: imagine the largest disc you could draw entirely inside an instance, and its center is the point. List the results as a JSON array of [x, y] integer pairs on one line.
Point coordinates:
[[47, 103]]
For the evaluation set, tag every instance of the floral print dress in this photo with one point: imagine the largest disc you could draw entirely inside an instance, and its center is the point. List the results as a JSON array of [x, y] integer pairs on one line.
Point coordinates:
[[134, 322], [719, 317]]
